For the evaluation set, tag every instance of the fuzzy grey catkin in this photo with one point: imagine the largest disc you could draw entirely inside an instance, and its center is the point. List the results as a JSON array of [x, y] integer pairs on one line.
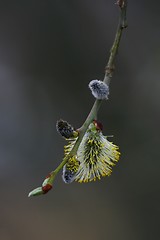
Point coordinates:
[[68, 176], [99, 89]]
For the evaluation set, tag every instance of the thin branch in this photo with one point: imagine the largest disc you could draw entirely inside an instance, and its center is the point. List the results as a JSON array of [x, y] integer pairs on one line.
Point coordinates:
[[108, 75], [114, 50]]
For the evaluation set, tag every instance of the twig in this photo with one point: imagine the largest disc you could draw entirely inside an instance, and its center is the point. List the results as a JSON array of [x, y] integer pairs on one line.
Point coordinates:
[[108, 74], [107, 78]]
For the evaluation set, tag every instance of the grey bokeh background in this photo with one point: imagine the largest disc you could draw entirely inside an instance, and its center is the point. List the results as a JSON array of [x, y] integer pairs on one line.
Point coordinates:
[[49, 51]]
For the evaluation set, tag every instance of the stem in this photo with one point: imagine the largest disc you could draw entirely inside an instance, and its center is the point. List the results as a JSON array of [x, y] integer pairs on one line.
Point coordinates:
[[108, 75], [114, 50], [107, 78]]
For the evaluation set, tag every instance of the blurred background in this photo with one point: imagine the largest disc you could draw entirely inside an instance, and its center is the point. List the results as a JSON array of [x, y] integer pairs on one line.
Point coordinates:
[[49, 51]]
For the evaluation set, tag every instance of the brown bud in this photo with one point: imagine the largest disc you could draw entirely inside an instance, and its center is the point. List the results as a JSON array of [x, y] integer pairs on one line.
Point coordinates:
[[98, 125], [46, 188]]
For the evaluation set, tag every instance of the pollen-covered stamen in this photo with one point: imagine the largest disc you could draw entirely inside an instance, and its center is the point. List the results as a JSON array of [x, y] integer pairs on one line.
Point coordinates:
[[70, 169], [96, 155], [69, 147], [94, 159], [99, 89], [92, 153]]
